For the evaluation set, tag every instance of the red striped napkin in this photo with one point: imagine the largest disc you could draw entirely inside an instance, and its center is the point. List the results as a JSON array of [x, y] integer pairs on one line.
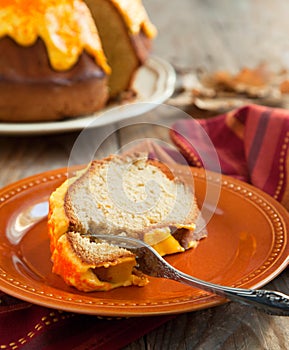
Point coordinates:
[[251, 142]]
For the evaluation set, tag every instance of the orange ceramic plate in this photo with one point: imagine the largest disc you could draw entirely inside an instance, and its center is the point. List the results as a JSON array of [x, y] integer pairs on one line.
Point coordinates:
[[247, 246]]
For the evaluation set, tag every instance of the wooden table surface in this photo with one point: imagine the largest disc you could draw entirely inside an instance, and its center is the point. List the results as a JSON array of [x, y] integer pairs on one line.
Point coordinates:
[[193, 34]]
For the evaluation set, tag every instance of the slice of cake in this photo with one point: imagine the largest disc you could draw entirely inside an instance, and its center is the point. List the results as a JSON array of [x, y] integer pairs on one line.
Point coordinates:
[[132, 196]]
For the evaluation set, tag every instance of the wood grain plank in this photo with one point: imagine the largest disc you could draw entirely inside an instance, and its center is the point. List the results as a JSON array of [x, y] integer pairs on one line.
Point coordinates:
[[24, 156]]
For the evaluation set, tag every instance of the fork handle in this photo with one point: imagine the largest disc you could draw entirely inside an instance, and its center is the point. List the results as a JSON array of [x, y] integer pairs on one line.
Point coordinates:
[[272, 302]]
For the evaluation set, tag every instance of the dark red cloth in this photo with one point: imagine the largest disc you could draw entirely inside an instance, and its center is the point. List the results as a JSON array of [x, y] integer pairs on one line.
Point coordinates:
[[27, 326], [251, 143]]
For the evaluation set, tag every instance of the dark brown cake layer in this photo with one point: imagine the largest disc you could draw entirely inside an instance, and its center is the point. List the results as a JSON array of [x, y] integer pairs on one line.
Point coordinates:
[[31, 90]]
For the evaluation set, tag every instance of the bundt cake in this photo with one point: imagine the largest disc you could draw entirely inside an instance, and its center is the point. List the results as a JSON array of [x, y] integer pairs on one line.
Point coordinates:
[[132, 196], [52, 62]]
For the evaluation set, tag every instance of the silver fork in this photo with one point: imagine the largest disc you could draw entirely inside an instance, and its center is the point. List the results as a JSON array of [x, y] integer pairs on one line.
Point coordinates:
[[152, 264]]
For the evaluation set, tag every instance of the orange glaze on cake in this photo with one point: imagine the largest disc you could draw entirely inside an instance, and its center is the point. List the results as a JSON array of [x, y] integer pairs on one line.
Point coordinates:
[[66, 27], [135, 17], [89, 277]]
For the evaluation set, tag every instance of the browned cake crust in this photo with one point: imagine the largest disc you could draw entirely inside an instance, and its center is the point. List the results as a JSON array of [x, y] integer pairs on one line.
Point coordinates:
[[93, 253], [142, 45], [30, 90]]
